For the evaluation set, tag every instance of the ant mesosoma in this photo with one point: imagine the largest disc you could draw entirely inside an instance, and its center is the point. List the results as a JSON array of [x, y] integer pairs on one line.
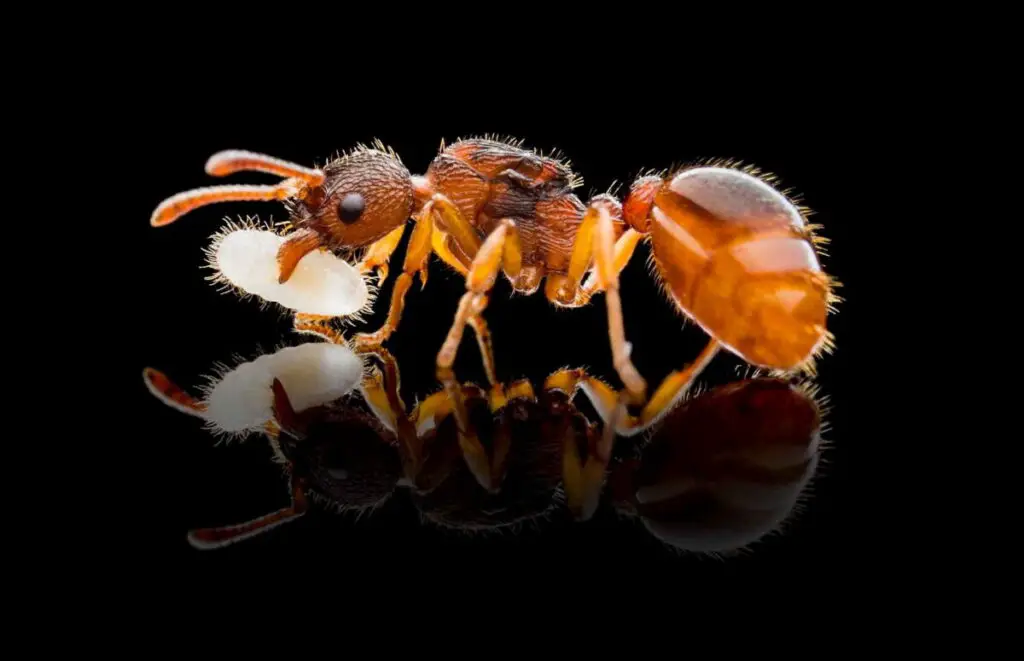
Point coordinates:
[[733, 253]]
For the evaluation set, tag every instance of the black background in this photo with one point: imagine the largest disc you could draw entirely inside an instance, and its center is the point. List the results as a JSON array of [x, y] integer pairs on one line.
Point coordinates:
[[185, 326]]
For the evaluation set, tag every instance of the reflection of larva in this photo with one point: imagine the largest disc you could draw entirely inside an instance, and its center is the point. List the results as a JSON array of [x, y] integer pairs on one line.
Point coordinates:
[[239, 400], [243, 257], [271, 392]]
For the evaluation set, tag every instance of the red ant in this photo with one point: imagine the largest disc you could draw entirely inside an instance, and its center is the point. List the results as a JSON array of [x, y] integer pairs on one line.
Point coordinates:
[[733, 253]]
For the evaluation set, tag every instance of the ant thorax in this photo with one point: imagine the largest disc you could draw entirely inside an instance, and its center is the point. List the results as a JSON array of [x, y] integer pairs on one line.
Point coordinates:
[[365, 194]]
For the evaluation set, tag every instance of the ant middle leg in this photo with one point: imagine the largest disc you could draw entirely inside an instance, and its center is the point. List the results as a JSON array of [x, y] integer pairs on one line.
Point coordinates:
[[500, 251], [415, 262]]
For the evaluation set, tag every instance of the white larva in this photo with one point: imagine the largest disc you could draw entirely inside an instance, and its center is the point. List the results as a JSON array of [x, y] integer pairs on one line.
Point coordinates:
[[322, 283]]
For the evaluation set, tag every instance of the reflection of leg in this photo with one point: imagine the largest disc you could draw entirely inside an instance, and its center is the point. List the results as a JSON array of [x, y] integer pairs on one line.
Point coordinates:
[[583, 478], [472, 450], [431, 411], [666, 397], [483, 339], [381, 391], [212, 538]]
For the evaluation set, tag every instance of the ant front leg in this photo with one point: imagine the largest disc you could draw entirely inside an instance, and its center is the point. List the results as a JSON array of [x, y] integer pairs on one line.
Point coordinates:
[[415, 262], [378, 255]]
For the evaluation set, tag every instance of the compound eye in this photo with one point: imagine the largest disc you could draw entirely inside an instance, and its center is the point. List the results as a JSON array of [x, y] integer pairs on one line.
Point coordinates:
[[351, 208]]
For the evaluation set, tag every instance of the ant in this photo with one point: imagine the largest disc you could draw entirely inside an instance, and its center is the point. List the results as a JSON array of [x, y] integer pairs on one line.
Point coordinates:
[[732, 252], [690, 483]]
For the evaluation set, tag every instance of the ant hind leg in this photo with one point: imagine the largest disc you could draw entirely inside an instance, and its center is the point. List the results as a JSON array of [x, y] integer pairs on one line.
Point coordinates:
[[672, 389]]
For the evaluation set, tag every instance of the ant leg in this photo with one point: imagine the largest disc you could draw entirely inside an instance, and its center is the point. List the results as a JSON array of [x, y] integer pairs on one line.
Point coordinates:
[[415, 261], [483, 334], [583, 479], [379, 254], [624, 249], [483, 340], [665, 398], [500, 249], [170, 394], [212, 538], [291, 252], [439, 241], [455, 225], [608, 279], [381, 392], [499, 395], [473, 452], [431, 411]]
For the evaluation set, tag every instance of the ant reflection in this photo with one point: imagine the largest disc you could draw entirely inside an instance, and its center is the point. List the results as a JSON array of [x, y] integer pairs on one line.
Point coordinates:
[[718, 472]]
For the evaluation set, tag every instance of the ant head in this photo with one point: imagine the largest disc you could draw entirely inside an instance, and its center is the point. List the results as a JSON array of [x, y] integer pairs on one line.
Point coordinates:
[[365, 195]]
